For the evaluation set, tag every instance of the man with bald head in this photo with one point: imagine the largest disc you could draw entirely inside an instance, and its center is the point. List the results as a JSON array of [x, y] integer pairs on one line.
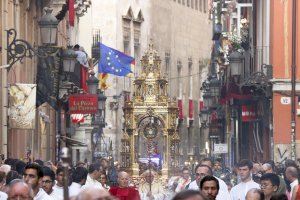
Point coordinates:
[[291, 174], [268, 168], [255, 194], [18, 189], [123, 191], [93, 193]]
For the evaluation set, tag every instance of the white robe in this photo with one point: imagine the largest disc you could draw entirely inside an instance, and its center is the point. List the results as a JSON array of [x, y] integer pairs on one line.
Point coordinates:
[[157, 191]]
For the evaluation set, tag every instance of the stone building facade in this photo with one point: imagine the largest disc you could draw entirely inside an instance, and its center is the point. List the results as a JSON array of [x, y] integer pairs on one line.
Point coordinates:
[[180, 31], [23, 16]]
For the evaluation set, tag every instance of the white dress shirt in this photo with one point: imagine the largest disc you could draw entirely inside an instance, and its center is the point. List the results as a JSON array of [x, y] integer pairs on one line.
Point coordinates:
[[91, 183], [3, 196], [42, 195], [74, 189], [58, 192], [223, 193], [293, 184], [239, 191]]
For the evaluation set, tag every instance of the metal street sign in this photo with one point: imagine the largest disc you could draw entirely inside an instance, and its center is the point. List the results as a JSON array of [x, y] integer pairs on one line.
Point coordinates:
[[220, 148]]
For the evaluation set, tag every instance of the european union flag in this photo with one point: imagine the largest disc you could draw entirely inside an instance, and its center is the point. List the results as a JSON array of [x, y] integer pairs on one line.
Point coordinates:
[[114, 62]]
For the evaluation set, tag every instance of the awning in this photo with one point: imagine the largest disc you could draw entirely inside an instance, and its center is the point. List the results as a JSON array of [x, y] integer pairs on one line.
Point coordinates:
[[72, 142]]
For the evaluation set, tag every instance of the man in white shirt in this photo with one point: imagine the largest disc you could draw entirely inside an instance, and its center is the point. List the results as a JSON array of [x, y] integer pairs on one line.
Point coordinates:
[[95, 171], [239, 191], [79, 176], [291, 174], [33, 175], [204, 170], [48, 182], [58, 188]]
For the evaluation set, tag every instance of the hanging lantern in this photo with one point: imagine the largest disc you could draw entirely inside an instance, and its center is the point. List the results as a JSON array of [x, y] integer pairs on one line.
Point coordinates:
[[48, 26], [236, 63]]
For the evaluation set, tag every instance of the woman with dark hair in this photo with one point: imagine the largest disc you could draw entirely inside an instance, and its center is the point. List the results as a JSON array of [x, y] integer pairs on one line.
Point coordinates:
[[189, 194]]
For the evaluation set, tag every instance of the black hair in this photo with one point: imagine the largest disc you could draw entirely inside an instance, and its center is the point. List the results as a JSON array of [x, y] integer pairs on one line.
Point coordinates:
[[40, 162], [208, 167], [79, 174], [246, 162], [20, 165], [271, 177], [58, 170], [279, 197], [183, 195], [94, 167], [76, 46], [290, 163], [209, 178], [48, 172], [37, 167], [12, 175]]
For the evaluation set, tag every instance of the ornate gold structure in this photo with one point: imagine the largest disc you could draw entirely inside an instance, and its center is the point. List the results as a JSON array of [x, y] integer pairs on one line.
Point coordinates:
[[150, 120]]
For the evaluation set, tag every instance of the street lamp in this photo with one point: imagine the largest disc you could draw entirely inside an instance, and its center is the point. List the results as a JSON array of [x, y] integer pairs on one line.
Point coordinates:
[[69, 59], [204, 116], [214, 86], [48, 25], [93, 84], [101, 107], [207, 98], [236, 63]]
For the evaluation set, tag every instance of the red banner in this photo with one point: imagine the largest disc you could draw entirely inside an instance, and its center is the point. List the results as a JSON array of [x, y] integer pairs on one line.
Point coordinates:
[[180, 114], [83, 78], [191, 109], [83, 104], [71, 12], [248, 113]]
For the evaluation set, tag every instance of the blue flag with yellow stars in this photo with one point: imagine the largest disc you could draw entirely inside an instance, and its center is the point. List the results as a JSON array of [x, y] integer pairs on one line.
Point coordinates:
[[114, 62]]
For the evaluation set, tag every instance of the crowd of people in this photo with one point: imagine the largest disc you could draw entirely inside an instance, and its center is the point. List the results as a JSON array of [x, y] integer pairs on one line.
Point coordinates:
[[102, 180]]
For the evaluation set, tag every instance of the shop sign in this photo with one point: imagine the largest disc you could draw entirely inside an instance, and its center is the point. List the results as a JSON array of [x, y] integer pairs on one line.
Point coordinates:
[[248, 113], [83, 104], [77, 118], [285, 100], [220, 148]]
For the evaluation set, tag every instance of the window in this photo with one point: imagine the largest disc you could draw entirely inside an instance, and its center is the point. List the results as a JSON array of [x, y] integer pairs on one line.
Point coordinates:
[[188, 3], [126, 35], [196, 4], [204, 6], [192, 4], [183, 2], [179, 1]]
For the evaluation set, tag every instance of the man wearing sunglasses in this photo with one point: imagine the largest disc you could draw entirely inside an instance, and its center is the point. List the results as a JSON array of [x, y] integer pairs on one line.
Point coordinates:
[[204, 170]]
